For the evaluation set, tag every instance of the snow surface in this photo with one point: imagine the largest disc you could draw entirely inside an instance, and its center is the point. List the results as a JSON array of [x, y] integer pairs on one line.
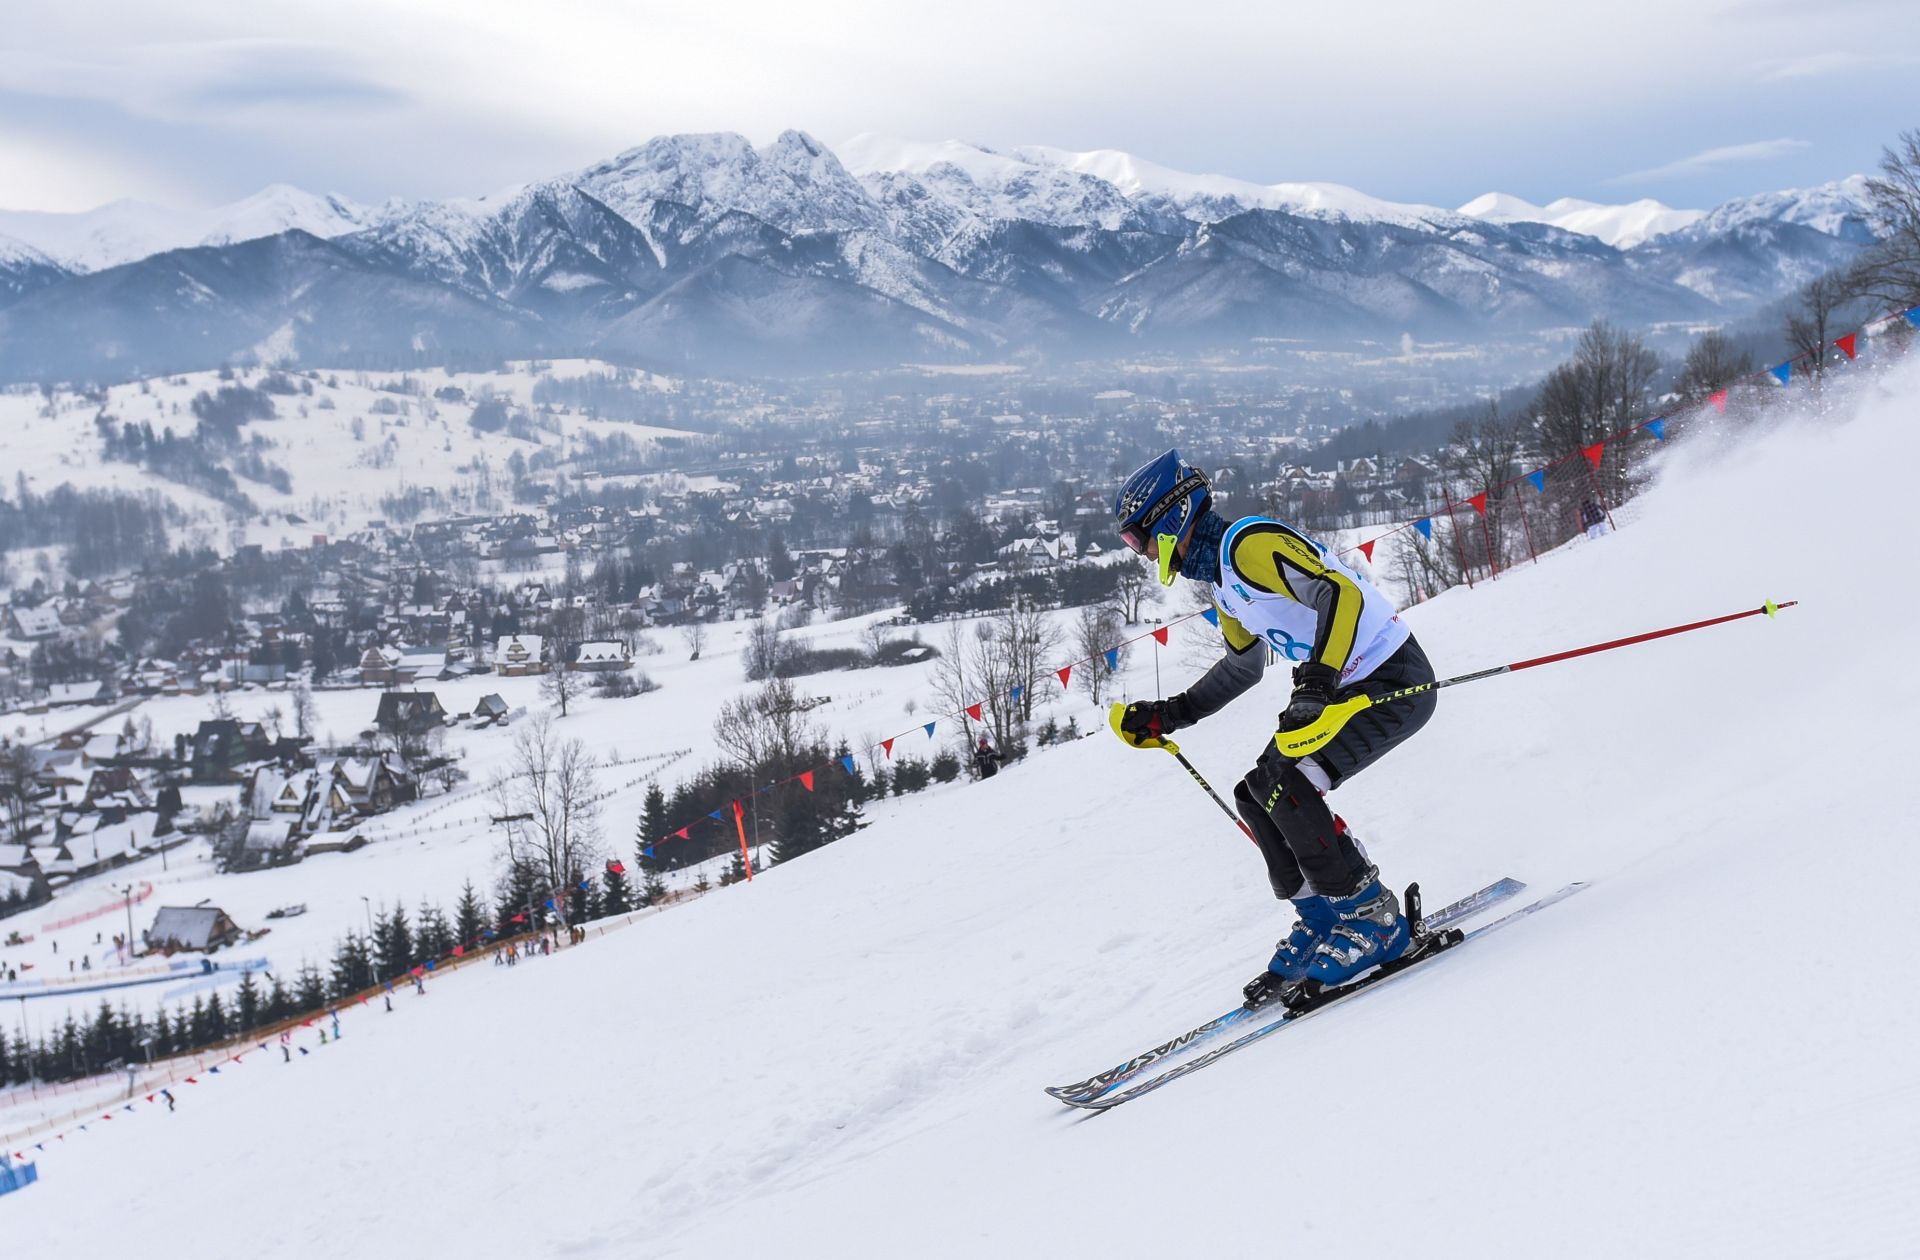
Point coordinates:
[[338, 482], [123, 231], [1709, 1053], [1622, 226], [1038, 182]]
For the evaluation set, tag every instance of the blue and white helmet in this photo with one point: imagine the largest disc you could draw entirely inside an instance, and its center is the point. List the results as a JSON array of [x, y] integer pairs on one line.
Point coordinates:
[[1157, 505]]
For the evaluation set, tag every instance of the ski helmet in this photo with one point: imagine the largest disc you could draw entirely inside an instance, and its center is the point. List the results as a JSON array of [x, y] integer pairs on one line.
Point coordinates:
[[1158, 505]]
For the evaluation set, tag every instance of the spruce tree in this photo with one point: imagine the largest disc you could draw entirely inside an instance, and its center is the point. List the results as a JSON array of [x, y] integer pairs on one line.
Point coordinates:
[[618, 899], [433, 935], [163, 1039], [652, 826], [352, 968], [469, 916], [309, 991], [393, 946], [197, 1034], [248, 1012], [279, 1001], [218, 1029], [653, 890], [702, 883]]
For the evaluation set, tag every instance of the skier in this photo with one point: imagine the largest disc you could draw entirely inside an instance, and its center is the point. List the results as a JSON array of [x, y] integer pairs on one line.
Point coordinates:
[[1275, 588], [1593, 519], [986, 762]]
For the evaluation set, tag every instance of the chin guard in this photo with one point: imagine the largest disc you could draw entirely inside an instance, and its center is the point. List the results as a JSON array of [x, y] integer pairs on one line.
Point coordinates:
[[1166, 545]]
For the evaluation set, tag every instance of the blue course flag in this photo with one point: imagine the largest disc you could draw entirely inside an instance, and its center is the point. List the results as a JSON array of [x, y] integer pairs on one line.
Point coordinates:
[[1913, 315], [585, 884], [1113, 659], [1212, 615], [929, 730], [1425, 526], [1782, 373], [430, 964], [549, 903], [1539, 479], [1016, 694], [1658, 428], [715, 815], [215, 1070], [846, 763], [648, 851]]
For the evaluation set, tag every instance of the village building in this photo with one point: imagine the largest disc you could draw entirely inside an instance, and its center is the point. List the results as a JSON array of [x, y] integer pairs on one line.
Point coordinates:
[[201, 929]]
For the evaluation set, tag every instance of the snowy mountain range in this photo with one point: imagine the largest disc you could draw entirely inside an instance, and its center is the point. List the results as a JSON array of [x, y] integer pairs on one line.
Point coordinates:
[[706, 249]]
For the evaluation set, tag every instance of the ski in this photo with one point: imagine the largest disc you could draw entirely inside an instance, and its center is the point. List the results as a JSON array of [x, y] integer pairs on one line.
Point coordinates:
[[1330, 998], [1096, 1086]]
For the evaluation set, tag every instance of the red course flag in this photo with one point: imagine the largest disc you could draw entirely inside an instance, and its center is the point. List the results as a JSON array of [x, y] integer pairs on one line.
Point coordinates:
[[191, 1081], [806, 779], [518, 918], [1593, 453], [682, 833], [1161, 634], [887, 744], [973, 710], [459, 950], [1479, 501], [616, 867], [1719, 401], [1846, 344], [419, 971], [1366, 549], [1065, 672]]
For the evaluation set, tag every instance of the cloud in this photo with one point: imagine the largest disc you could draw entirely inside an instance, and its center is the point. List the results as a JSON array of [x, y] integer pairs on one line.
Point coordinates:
[[189, 79], [1708, 160], [1816, 65]]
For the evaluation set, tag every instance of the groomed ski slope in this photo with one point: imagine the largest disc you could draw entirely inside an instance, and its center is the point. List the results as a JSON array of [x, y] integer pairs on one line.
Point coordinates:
[[1708, 1053]]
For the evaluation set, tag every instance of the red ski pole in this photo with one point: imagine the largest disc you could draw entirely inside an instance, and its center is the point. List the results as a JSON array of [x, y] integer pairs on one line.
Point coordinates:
[[1302, 742]]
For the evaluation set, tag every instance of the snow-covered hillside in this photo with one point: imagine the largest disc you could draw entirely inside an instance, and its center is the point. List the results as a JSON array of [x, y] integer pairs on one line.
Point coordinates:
[[123, 231], [355, 439], [1621, 226], [1709, 1053]]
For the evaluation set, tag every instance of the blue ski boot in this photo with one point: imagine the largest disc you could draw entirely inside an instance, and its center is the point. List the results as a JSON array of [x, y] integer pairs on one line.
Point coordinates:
[[1370, 930], [1295, 952]]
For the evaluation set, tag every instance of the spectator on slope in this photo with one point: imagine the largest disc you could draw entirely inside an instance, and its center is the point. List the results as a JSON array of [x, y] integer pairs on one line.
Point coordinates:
[[1593, 519], [986, 762], [1277, 589]]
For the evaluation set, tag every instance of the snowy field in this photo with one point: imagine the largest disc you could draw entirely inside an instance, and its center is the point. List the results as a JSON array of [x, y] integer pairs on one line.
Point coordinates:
[[1709, 1053], [340, 449]]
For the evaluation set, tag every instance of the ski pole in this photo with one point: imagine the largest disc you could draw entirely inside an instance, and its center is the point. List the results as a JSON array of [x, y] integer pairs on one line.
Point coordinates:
[[1113, 720], [1306, 739]]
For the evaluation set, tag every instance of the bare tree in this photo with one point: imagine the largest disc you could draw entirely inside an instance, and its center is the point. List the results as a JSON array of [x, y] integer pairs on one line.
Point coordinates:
[[1130, 589], [694, 635], [547, 796], [766, 655], [275, 720], [303, 710], [560, 684], [1095, 632], [1813, 317], [1889, 273], [1712, 361], [767, 732], [1594, 394], [1485, 454], [17, 788]]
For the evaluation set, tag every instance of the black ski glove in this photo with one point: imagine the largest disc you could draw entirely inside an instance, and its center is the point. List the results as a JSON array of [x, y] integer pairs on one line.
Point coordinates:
[[1314, 686], [1154, 719]]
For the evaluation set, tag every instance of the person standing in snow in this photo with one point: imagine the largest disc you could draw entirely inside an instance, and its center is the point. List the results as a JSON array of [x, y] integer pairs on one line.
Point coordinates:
[[986, 762], [1593, 519], [1274, 588]]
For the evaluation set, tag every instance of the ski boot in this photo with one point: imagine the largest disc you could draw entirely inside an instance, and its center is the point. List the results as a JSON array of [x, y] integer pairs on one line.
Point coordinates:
[[1295, 952], [1370, 931]]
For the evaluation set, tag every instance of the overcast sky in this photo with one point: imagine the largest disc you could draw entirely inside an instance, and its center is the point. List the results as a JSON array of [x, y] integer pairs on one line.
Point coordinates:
[[194, 102]]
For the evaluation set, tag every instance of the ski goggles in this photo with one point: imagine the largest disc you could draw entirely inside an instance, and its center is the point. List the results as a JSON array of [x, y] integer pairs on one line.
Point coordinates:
[[1138, 533]]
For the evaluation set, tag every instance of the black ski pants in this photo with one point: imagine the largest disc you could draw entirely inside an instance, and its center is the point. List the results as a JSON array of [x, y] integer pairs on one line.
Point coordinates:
[[1299, 836]]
